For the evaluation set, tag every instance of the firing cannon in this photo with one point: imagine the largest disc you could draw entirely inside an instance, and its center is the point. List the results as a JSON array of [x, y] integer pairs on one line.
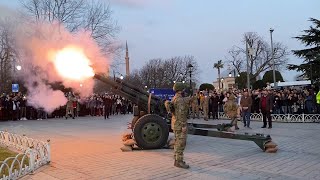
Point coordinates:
[[151, 123]]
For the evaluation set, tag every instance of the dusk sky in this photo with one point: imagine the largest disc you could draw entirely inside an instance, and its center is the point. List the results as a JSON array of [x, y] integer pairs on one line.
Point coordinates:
[[206, 29]]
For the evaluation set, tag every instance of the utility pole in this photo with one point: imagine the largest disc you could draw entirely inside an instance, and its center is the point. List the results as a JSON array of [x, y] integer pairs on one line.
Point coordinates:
[[248, 67], [273, 63]]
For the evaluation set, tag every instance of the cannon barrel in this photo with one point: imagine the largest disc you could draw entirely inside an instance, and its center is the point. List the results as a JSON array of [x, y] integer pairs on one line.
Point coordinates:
[[136, 95]]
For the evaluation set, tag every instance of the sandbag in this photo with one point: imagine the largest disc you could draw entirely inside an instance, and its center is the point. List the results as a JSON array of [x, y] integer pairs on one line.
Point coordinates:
[[126, 136], [231, 129], [126, 148], [270, 145], [129, 142], [272, 150]]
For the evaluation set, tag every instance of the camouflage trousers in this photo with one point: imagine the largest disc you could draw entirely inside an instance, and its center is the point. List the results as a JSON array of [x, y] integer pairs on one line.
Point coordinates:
[[195, 111], [69, 110], [180, 144], [205, 112], [234, 122]]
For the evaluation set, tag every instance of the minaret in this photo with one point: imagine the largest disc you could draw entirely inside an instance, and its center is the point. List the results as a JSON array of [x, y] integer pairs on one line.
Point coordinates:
[[127, 60]]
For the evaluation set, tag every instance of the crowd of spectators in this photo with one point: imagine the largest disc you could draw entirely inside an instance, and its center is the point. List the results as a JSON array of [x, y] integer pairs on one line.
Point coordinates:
[[284, 101], [15, 106]]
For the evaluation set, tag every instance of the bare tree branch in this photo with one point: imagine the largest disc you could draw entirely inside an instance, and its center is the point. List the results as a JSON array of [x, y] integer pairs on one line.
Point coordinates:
[[94, 16], [260, 59]]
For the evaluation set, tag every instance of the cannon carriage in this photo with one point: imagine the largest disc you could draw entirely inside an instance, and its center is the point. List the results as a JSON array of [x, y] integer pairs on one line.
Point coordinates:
[[151, 123]]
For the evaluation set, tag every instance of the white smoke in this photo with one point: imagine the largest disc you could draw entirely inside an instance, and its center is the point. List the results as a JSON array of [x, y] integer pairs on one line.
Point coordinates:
[[35, 42]]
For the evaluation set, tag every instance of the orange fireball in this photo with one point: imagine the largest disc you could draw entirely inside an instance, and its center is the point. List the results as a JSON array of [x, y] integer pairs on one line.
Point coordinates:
[[72, 63]]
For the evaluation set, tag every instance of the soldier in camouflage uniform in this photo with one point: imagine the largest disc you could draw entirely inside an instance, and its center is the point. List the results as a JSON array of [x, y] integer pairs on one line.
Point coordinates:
[[232, 110], [205, 106], [69, 108], [179, 109], [195, 106]]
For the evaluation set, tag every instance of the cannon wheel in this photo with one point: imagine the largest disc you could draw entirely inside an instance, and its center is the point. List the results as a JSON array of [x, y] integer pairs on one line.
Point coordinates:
[[151, 132], [134, 121]]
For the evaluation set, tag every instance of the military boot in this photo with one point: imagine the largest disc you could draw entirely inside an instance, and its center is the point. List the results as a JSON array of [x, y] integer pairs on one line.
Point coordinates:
[[181, 164]]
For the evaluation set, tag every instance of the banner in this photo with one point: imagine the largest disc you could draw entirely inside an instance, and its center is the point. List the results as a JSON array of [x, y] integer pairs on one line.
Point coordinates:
[[15, 88], [165, 94]]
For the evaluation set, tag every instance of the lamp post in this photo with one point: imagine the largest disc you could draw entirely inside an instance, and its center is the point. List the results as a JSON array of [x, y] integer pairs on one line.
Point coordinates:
[[234, 76], [114, 75], [222, 83], [18, 67], [249, 54], [190, 73], [272, 59], [234, 73]]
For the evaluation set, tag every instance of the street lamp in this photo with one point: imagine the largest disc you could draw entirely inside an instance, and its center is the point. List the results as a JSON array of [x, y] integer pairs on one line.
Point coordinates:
[[234, 73], [222, 83], [18, 67], [190, 73], [121, 76], [272, 59]]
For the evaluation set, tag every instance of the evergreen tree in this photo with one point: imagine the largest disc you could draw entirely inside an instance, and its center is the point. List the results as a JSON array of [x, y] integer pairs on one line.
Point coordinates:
[[311, 54], [268, 77], [206, 86]]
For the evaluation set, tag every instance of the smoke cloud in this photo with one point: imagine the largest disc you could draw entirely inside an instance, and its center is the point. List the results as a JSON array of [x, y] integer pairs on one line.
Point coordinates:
[[37, 43]]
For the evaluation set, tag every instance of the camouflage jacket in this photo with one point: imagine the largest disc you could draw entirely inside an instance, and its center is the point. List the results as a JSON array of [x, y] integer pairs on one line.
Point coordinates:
[[70, 103], [181, 107], [231, 109], [194, 100], [205, 101]]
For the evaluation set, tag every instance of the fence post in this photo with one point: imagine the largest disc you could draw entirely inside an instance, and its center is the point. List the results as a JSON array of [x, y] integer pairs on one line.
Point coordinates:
[[32, 160], [303, 118], [48, 151], [6, 137]]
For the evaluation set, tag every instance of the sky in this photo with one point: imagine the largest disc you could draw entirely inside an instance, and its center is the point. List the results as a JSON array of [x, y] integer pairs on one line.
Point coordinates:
[[205, 29]]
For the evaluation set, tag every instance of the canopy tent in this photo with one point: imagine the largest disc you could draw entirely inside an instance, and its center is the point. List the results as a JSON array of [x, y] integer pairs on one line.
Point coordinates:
[[292, 83]]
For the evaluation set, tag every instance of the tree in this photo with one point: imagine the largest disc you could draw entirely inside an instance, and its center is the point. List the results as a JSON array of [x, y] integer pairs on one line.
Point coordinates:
[[260, 55], [310, 67], [268, 77], [8, 55], [241, 80], [258, 84], [160, 73], [206, 86], [76, 15], [218, 66]]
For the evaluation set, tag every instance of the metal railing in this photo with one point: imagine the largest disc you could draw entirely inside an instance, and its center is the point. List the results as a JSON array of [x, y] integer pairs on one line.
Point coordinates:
[[34, 154], [289, 118]]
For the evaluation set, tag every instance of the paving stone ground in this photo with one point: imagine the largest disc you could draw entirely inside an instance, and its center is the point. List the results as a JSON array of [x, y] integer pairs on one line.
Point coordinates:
[[89, 148]]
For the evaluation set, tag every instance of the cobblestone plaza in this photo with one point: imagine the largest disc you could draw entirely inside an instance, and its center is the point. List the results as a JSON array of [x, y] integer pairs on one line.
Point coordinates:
[[89, 148]]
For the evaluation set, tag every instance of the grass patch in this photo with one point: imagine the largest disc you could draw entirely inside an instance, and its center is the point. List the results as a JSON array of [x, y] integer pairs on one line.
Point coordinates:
[[4, 154]]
